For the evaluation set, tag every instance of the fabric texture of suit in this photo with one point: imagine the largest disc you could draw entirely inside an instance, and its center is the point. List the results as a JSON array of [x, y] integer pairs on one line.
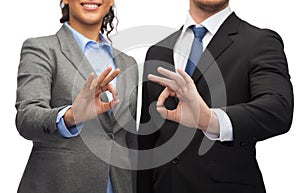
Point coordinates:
[[258, 100], [52, 71]]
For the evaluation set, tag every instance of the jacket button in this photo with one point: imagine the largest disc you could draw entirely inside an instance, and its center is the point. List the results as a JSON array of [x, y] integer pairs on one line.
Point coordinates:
[[175, 161], [243, 144], [110, 136]]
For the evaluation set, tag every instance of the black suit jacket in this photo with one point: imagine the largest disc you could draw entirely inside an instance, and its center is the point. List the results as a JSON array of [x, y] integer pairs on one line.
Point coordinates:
[[244, 72]]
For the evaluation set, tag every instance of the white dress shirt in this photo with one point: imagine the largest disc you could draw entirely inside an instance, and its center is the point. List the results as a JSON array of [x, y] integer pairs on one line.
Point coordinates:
[[182, 51]]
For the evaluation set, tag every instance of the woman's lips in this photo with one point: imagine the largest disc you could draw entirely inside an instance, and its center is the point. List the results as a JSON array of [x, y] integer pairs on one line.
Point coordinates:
[[91, 6]]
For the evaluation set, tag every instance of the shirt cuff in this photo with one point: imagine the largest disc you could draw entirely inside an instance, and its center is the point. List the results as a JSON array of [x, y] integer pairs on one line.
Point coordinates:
[[226, 130], [62, 129]]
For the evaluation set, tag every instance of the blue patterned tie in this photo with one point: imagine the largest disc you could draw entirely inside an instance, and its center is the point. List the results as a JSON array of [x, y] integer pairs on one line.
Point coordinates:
[[196, 50]]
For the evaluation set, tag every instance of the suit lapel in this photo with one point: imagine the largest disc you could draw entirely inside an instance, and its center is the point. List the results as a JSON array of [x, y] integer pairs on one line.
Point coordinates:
[[121, 88], [73, 53], [168, 54], [220, 42], [168, 46], [121, 113]]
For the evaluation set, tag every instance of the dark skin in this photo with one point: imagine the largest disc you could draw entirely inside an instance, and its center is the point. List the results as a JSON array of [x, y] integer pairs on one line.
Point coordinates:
[[86, 18]]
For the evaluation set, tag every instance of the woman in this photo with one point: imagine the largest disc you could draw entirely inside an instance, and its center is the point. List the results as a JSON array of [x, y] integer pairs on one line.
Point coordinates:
[[75, 120]]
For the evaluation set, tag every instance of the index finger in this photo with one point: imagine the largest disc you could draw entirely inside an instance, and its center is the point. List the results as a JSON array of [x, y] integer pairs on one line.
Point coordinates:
[[162, 97], [113, 91]]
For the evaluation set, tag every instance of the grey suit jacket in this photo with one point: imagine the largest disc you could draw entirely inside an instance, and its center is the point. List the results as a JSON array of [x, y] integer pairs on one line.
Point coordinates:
[[52, 71]]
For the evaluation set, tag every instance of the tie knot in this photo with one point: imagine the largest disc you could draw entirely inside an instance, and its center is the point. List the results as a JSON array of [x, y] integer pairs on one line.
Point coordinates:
[[199, 32]]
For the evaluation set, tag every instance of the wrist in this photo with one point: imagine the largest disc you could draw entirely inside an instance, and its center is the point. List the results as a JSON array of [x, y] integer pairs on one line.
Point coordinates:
[[204, 120], [211, 123], [69, 118]]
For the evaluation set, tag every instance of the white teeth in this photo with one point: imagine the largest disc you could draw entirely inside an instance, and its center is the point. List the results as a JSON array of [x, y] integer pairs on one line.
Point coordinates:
[[90, 5]]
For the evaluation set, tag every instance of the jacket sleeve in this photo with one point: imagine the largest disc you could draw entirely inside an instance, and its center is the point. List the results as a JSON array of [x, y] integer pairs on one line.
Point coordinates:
[[35, 119], [270, 109]]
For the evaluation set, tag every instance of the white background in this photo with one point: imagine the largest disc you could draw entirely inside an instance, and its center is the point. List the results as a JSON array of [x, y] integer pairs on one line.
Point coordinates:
[[278, 157]]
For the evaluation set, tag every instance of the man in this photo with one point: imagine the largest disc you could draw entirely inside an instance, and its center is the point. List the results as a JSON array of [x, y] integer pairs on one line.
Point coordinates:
[[237, 93]]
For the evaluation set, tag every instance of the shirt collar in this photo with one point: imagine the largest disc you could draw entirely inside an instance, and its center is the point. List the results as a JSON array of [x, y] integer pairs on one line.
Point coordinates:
[[83, 41], [212, 24]]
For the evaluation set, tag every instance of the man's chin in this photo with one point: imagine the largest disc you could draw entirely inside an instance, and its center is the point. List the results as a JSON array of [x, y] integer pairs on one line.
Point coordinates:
[[211, 7]]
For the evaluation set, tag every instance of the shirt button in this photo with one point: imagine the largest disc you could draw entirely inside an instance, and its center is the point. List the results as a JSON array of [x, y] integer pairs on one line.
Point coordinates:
[[243, 144]]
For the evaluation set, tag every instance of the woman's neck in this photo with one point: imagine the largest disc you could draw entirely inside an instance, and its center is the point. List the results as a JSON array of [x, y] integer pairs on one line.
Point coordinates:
[[89, 31]]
